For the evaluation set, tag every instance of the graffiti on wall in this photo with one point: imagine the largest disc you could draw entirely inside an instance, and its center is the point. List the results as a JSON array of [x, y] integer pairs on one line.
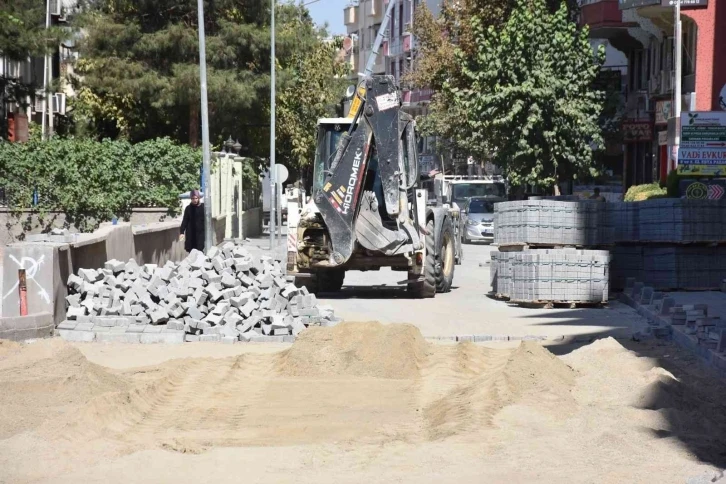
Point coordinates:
[[31, 267]]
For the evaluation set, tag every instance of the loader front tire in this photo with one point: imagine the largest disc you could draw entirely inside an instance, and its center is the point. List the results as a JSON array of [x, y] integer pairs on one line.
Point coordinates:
[[427, 287], [330, 281], [446, 259]]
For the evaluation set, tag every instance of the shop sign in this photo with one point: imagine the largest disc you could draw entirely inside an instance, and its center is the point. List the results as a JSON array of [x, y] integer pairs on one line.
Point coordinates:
[[634, 131], [703, 143], [663, 110]]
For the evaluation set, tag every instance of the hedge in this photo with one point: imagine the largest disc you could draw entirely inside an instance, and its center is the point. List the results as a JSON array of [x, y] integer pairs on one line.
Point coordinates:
[[94, 181], [638, 193]]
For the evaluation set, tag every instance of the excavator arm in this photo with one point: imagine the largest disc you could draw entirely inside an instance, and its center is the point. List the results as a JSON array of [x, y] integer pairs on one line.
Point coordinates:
[[381, 125]]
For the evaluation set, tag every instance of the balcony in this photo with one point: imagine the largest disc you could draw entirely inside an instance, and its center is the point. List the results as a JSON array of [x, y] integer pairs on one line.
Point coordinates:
[[350, 15], [605, 19], [600, 13], [399, 45], [416, 97], [374, 8]]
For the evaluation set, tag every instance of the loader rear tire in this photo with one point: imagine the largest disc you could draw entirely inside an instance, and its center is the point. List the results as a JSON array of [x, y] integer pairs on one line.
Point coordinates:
[[446, 260], [427, 287]]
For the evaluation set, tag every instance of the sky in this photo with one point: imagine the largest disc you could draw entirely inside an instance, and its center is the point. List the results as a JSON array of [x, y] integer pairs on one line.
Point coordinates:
[[330, 11]]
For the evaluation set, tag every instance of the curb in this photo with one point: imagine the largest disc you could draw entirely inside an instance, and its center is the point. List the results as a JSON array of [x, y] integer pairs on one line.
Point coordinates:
[[664, 329]]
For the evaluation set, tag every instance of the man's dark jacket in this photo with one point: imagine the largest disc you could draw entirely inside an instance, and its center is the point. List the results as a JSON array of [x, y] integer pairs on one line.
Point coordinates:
[[192, 227]]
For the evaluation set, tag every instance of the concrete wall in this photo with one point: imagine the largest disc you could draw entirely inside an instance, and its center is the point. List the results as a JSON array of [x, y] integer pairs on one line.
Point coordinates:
[[28, 327], [26, 222], [14, 226], [252, 222], [158, 243], [48, 264]]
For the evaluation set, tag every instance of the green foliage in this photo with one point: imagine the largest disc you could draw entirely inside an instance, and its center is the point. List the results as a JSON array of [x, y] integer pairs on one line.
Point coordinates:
[[139, 63], [438, 40], [639, 193], [317, 86], [525, 95], [94, 181], [22, 35], [673, 184]]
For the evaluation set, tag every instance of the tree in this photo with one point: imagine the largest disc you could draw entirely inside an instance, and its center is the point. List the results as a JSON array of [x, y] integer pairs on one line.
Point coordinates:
[[140, 74], [22, 23], [527, 94], [317, 86], [438, 40]]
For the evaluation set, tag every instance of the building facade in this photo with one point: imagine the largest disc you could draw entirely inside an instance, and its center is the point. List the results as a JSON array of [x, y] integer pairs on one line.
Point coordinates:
[[644, 31], [17, 112], [363, 18]]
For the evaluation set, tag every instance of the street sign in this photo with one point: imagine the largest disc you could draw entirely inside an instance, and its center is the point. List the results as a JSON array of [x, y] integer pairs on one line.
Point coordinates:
[[684, 3], [281, 173], [703, 143]]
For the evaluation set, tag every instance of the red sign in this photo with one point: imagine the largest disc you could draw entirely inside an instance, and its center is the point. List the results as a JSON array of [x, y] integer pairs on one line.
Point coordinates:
[[637, 131]]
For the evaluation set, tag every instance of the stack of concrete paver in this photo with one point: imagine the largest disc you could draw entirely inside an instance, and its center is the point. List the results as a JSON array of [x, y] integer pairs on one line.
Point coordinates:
[[588, 223], [670, 243], [552, 275], [547, 222], [227, 295]]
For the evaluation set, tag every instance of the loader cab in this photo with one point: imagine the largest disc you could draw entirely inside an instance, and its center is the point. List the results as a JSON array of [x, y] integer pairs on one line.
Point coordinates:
[[330, 131]]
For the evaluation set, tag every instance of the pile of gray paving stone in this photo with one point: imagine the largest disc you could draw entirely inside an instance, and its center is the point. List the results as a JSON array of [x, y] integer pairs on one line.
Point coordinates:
[[551, 275], [226, 295], [559, 221]]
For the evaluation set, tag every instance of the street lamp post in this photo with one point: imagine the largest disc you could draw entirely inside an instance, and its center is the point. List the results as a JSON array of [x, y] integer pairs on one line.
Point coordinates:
[[273, 191], [205, 130]]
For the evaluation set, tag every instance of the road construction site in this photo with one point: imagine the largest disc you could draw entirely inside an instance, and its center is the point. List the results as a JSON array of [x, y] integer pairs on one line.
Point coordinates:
[[461, 387]]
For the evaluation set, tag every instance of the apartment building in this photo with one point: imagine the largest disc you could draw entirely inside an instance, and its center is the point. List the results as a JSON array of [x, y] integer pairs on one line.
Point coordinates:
[[362, 19], [643, 30], [16, 112]]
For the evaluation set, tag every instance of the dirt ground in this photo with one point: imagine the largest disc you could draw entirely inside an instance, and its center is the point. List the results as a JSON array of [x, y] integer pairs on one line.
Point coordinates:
[[361, 402]]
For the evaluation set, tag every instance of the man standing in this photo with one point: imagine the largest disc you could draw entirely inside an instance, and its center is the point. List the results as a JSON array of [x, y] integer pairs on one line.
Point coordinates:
[[597, 196], [192, 226], [470, 166]]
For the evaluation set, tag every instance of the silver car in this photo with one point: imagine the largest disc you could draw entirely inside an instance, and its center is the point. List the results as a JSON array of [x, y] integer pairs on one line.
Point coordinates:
[[478, 219]]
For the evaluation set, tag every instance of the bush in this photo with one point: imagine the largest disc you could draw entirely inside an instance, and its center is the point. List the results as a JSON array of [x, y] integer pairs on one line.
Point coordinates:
[[672, 184], [638, 193], [94, 181]]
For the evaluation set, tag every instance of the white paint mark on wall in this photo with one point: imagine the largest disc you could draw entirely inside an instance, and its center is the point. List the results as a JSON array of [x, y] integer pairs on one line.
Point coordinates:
[[31, 267]]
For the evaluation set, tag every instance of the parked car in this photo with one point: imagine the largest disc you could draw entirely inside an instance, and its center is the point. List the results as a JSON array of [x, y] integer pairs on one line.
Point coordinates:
[[478, 219]]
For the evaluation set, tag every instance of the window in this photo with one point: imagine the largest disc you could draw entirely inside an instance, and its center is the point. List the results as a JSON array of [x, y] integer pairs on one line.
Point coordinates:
[[374, 33], [689, 48], [462, 191], [400, 20], [477, 205]]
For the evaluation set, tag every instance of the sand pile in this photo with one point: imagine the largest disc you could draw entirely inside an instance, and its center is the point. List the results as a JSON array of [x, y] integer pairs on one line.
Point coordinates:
[[527, 375], [370, 397], [46, 379], [357, 349]]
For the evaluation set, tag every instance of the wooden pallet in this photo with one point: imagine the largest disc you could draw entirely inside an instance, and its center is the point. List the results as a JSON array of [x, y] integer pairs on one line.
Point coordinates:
[[553, 304], [523, 247], [661, 243]]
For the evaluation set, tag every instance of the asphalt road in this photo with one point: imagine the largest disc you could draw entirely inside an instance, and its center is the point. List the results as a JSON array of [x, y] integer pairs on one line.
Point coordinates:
[[468, 310]]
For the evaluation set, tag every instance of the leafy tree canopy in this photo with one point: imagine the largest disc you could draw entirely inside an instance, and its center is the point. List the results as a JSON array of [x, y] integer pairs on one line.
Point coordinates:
[[23, 35], [437, 39], [314, 92], [140, 75], [525, 94]]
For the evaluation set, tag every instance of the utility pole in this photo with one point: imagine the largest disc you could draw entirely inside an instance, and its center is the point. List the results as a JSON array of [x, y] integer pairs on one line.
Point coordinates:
[[677, 89], [46, 63], [273, 190], [205, 130]]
